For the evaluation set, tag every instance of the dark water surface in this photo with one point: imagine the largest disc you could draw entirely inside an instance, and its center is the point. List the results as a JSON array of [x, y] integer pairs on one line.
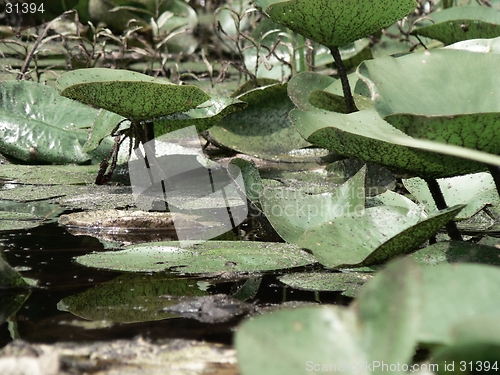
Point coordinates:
[[47, 253]]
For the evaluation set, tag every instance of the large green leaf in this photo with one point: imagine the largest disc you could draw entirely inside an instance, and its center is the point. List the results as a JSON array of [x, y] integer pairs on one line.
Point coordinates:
[[203, 116], [454, 294], [389, 309], [263, 129], [367, 136], [39, 125], [336, 22], [133, 95], [206, 257], [291, 212], [432, 95], [299, 341], [460, 23]]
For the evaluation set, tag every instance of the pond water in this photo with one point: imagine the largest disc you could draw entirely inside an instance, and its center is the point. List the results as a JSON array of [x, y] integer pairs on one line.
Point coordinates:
[[47, 253]]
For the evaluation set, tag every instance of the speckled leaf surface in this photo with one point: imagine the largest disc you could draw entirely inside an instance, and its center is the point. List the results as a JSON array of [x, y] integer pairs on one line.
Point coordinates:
[[291, 212], [206, 257], [478, 45], [367, 136], [409, 239], [457, 252], [351, 238], [346, 282], [432, 95], [132, 95], [263, 129], [38, 125], [203, 116], [336, 22], [460, 23], [301, 86]]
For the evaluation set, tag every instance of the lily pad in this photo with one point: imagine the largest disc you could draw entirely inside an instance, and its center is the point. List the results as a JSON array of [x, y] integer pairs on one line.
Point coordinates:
[[432, 96], [263, 129], [460, 23], [291, 212], [131, 298], [133, 95], [454, 294], [474, 190], [457, 252], [40, 126], [373, 236], [348, 283], [336, 22], [367, 136], [49, 174], [206, 257]]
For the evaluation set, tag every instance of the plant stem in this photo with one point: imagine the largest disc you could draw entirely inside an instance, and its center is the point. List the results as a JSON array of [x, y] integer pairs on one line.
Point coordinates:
[[437, 195], [350, 106], [495, 173]]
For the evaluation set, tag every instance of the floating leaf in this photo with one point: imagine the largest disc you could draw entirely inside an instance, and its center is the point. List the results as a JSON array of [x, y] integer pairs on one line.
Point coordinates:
[[39, 125], [346, 282], [389, 309], [336, 22], [133, 95], [457, 252], [206, 257], [454, 294], [49, 174], [263, 129], [460, 23], [131, 298], [203, 116], [9, 277], [291, 212], [296, 341]]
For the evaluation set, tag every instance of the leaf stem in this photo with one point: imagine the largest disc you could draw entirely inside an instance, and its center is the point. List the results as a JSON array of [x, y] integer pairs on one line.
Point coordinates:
[[437, 195], [350, 106]]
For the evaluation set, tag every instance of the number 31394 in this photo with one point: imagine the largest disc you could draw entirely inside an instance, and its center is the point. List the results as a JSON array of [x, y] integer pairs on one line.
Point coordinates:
[[23, 8], [478, 366]]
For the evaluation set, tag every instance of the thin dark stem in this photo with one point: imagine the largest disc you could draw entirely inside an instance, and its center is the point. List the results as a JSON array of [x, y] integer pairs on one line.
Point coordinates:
[[350, 106], [495, 173], [437, 195]]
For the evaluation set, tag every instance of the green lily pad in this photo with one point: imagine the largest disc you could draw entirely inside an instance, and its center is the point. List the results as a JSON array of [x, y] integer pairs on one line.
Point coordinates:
[[49, 174], [460, 23], [457, 252], [367, 136], [389, 310], [432, 96], [372, 236], [454, 294], [15, 216], [474, 190], [348, 283], [296, 341], [206, 257], [133, 95], [203, 116], [9, 277], [336, 22], [478, 45], [40, 126], [291, 212], [131, 298], [263, 129]]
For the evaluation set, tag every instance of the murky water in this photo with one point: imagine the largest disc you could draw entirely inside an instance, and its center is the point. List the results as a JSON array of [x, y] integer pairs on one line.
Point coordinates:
[[47, 254]]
